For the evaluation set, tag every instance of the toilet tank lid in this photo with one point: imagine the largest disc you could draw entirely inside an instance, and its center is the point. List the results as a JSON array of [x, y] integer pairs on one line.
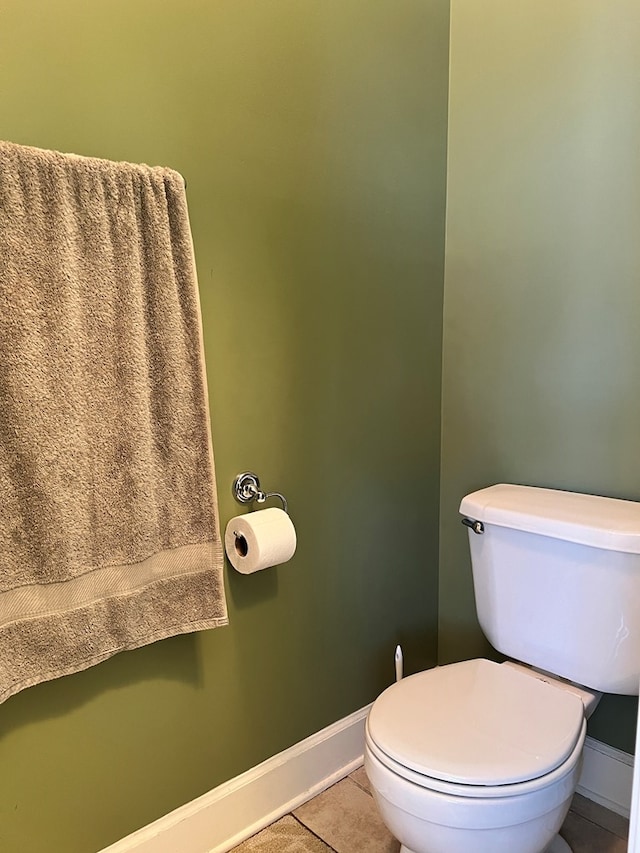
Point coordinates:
[[599, 522]]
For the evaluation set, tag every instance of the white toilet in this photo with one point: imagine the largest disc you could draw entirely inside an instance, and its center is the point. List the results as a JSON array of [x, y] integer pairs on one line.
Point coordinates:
[[480, 757]]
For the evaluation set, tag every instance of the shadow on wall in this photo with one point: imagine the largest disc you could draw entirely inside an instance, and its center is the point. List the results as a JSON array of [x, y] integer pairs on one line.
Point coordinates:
[[173, 659]]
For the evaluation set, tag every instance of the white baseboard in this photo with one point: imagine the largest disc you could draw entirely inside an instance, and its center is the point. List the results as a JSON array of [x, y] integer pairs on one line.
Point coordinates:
[[224, 817], [607, 776], [232, 812]]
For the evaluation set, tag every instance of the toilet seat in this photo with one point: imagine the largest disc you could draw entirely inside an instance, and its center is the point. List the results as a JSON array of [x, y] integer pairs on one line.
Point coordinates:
[[481, 793], [476, 725]]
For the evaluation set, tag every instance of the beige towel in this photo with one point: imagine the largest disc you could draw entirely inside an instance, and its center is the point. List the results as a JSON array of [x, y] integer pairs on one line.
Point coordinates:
[[109, 535]]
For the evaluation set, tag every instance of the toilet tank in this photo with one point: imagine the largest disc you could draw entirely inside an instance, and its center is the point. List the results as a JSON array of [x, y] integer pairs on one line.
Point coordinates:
[[557, 581]]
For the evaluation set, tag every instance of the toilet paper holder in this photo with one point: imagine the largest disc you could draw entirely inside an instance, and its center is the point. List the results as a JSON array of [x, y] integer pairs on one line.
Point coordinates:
[[246, 488]]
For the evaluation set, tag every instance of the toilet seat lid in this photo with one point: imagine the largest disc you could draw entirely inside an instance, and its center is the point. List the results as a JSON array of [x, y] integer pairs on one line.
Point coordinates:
[[476, 723]]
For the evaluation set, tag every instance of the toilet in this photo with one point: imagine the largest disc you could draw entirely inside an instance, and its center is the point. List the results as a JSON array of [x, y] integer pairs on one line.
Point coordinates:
[[484, 757]]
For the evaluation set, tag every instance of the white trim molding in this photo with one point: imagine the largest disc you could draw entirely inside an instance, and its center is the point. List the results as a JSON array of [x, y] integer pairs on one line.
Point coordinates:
[[224, 817], [607, 776]]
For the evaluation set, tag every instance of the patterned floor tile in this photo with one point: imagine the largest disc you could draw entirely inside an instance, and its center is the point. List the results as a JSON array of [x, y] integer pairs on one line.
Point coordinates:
[[346, 818], [600, 815], [583, 836], [284, 836], [361, 779]]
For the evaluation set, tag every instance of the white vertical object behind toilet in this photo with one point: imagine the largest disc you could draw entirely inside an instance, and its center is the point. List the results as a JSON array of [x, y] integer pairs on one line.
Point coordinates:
[[634, 825]]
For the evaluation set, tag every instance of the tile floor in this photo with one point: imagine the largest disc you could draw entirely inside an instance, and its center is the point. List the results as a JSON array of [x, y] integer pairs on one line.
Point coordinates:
[[344, 819]]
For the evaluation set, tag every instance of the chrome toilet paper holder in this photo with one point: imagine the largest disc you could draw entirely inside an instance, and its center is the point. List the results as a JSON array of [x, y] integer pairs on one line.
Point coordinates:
[[246, 489]]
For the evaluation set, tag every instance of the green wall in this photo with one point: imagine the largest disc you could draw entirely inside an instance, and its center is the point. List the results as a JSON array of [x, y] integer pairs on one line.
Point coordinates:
[[541, 373], [313, 140]]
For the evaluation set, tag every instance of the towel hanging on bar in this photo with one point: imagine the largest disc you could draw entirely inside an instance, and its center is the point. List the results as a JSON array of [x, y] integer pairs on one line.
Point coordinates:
[[109, 533]]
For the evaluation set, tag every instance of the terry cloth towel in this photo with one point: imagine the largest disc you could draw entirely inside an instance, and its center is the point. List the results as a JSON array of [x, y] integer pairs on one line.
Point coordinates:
[[109, 534]]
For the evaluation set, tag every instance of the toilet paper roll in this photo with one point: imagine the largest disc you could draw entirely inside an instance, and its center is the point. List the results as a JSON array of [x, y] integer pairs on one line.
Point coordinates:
[[259, 540]]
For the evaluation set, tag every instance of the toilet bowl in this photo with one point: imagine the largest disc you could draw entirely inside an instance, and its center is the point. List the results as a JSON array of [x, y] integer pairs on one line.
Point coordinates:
[[475, 757]]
